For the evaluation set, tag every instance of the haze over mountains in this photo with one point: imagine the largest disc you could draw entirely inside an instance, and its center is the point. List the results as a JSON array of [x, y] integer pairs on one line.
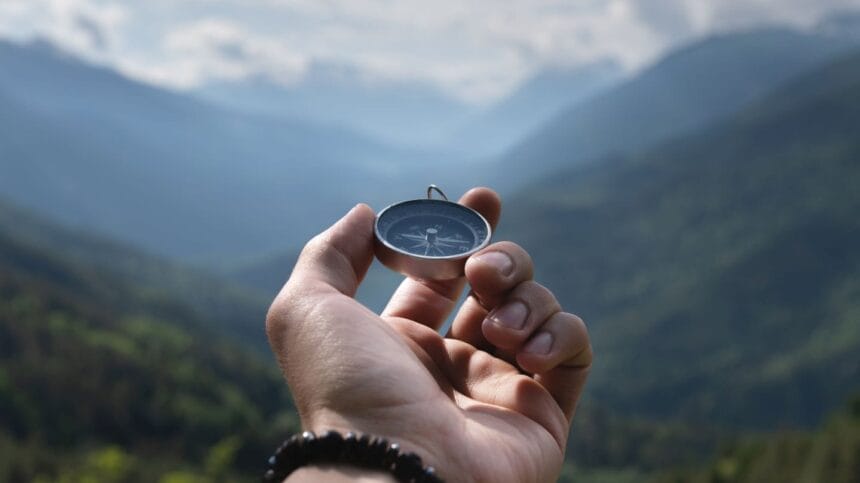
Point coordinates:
[[190, 179], [688, 89], [416, 115], [504, 124], [396, 113], [166, 160], [183, 178]]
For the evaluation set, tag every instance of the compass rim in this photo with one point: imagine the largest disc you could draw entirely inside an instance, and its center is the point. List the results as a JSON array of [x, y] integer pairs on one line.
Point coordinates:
[[484, 243]]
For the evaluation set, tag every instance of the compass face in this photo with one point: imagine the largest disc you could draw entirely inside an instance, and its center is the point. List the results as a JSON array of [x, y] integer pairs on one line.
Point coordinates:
[[432, 229]]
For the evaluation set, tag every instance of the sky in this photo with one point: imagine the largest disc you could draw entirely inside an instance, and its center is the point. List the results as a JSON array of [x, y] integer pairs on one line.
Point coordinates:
[[473, 50]]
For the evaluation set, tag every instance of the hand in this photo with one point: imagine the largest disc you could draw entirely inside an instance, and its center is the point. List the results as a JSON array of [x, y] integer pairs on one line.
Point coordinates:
[[491, 401]]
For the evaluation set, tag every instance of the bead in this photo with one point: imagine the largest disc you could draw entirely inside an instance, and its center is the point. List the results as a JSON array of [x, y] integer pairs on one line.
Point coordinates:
[[376, 453], [407, 467], [391, 454], [362, 450], [330, 443], [349, 450], [429, 476]]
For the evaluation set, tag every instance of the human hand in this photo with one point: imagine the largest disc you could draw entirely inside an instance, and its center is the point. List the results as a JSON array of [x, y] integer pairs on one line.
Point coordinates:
[[491, 401]]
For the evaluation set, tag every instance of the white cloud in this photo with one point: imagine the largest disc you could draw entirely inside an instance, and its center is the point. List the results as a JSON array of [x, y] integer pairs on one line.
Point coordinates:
[[87, 27], [475, 49], [218, 49]]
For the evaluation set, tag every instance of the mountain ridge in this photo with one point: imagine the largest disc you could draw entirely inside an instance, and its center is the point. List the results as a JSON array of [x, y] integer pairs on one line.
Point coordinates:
[[165, 162], [685, 90], [707, 253]]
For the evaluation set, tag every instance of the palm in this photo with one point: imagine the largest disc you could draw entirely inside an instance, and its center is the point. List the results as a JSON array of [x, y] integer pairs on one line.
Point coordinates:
[[483, 406], [455, 400]]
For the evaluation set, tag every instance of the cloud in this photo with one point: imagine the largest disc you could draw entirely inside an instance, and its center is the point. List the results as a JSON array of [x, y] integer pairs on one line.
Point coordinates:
[[667, 18], [98, 39], [473, 49], [217, 49], [86, 27]]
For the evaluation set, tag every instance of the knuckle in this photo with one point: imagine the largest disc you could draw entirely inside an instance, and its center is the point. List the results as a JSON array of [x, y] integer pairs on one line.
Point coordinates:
[[537, 291], [537, 296], [573, 324], [579, 353], [276, 316], [280, 314], [314, 247], [580, 324]]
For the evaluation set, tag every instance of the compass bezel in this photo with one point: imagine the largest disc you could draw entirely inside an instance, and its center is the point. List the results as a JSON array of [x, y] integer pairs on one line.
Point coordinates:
[[435, 267]]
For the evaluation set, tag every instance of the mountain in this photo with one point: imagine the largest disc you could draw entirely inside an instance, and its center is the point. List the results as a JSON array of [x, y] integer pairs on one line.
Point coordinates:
[[688, 89], [104, 379], [400, 113], [227, 308], [719, 272], [505, 123], [844, 24], [699, 84], [167, 172]]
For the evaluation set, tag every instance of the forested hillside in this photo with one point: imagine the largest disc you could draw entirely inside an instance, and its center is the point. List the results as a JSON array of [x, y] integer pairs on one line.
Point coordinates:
[[831, 454], [103, 377], [720, 271], [132, 272]]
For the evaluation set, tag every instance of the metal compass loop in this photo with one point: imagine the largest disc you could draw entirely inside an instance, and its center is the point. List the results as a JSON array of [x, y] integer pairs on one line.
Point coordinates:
[[431, 189]]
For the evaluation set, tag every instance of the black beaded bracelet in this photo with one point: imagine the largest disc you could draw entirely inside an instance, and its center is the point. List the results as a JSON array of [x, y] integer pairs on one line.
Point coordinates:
[[368, 452]]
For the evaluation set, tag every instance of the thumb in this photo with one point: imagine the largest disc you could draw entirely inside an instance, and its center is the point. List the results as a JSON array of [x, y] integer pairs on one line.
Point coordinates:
[[314, 327], [338, 258]]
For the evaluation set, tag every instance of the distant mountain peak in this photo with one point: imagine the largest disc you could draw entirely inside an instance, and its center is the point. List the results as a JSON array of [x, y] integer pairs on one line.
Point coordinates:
[[535, 101], [41, 46], [687, 89]]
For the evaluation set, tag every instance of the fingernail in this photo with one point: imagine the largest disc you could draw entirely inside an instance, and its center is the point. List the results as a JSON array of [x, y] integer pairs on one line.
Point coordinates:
[[511, 315], [499, 260], [540, 344]]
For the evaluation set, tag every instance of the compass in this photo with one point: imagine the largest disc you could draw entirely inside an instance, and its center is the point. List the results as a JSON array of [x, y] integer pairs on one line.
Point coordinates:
[[429, 238]]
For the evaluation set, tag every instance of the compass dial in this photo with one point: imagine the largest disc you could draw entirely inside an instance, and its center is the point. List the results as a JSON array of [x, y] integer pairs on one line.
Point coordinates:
[[432, 229]]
